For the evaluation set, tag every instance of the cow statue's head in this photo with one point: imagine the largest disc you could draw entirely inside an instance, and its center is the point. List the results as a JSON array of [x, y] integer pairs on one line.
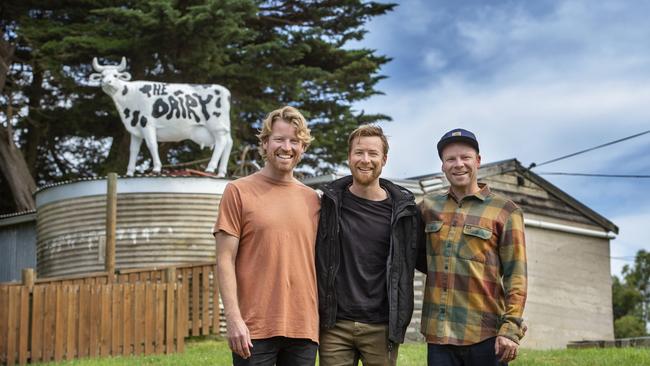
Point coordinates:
[[110, 76]]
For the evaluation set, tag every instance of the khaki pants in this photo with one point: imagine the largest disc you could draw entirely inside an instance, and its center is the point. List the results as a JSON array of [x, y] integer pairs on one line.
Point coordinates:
[[349, 341]]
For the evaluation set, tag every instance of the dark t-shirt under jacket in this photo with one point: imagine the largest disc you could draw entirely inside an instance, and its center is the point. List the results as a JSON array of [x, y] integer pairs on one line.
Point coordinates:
[[365, 242]]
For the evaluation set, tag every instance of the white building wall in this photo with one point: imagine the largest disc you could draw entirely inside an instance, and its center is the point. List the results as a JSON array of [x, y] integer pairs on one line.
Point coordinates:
[[569, 289]]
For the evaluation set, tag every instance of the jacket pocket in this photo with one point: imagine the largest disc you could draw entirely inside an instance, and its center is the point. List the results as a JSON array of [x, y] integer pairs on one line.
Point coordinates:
[[432, 229], [475, 243]]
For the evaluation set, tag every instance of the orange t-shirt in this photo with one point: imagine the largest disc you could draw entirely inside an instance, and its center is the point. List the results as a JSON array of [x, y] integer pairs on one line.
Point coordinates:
[[276, 224]]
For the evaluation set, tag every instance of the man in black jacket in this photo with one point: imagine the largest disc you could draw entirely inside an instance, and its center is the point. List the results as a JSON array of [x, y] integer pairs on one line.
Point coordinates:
[[365, 257]]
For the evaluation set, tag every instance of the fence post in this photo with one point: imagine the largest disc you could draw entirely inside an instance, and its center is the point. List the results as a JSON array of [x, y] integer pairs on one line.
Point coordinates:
[[111, 218], [28, 277], [171, 275]]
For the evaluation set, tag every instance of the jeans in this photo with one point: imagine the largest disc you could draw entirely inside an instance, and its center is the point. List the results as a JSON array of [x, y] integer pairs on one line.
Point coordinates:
[[479, 354], [280, 351]]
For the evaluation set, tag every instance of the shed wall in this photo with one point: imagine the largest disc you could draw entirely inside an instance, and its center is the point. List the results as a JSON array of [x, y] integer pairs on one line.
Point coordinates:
[[570, 289], [18, 248]]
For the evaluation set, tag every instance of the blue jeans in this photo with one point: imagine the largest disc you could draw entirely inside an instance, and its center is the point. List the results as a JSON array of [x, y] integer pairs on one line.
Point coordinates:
[[479, 354], [280, 351]]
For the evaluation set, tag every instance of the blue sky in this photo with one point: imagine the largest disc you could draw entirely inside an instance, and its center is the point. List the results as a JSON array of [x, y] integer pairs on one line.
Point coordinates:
[[534, 80]]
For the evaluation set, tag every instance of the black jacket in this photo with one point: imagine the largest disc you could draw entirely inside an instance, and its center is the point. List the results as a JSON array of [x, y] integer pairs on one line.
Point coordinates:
[[399, 266]]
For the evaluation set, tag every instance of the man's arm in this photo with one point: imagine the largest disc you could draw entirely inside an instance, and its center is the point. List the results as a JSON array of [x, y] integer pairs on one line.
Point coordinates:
[[512, 252], [421, 259], [239, 338]]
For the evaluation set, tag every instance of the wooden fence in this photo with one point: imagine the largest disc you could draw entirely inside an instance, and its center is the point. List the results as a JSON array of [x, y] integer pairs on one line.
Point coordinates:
[[56, 322], [97, 315], [200, 280]]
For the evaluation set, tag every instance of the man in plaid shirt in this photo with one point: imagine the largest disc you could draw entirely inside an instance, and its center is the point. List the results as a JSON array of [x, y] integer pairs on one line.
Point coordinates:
[[476, 264]]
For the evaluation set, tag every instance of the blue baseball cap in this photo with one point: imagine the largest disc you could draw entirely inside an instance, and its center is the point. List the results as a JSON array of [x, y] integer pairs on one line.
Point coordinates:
[[457, 135]]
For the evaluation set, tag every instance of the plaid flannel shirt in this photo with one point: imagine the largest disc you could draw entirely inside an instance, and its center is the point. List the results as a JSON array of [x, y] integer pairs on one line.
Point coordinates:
[[476, 268]]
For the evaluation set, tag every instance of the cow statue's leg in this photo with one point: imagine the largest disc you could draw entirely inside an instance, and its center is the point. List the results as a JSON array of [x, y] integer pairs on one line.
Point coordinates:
[[225, 156], [134, 150], [149, 135], [221, 153]]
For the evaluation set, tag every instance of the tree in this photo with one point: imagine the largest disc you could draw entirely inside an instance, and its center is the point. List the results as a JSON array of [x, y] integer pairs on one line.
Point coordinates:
[[12, 163], [268, 53], [626, 299], [638, 277], [631, 298]]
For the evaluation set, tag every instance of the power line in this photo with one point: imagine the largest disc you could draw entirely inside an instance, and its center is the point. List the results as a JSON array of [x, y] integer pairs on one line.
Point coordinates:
[[596, 175], [534, 165], [624, 259]]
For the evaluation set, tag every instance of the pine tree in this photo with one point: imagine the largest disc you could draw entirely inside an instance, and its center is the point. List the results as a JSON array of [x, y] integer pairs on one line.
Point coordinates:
[[268, 53]]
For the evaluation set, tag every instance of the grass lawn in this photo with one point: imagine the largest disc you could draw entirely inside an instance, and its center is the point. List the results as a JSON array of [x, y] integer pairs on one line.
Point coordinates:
[[216, 353]]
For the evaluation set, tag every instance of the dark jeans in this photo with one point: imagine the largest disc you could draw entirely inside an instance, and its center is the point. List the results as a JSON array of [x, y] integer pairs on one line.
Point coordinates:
[[479, 354], [280, 351]]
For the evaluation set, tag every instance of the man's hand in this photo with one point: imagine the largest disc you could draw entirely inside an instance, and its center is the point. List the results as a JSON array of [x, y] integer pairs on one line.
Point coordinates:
[[239, 338], [505, 349]]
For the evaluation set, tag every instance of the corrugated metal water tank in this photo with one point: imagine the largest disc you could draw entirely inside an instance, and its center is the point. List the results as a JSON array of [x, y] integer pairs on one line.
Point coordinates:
[[160, 221]]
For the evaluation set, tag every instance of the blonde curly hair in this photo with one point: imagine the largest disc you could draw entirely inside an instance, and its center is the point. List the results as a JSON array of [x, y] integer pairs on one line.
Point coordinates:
[[290, 115]]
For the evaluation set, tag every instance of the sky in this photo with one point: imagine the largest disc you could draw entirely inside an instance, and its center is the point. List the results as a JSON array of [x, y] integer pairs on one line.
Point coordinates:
[[534, 80]]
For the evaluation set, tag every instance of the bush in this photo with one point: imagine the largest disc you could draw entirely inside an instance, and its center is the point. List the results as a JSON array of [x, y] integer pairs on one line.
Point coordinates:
[[629, 326]]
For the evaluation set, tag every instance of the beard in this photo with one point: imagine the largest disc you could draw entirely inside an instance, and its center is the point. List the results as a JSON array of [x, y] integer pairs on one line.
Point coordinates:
[[366, 178], [283, 164]]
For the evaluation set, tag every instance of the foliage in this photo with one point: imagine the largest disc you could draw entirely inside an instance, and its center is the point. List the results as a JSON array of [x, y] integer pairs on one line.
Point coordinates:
[[629, 326], [625, 298], [631, 298], [211, 352], [267, 52], [638, 277]]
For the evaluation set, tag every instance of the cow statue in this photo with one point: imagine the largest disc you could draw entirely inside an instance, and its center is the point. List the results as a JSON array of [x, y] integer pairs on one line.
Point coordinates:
[[155, 111]]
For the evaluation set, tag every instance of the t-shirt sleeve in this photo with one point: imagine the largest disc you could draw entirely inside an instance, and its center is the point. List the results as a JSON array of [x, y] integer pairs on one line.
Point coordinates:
[[229, 219]]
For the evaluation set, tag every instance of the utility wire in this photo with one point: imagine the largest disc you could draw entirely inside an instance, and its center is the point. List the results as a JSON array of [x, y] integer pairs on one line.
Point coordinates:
[[534, 165], [624, 259], [596, 175]]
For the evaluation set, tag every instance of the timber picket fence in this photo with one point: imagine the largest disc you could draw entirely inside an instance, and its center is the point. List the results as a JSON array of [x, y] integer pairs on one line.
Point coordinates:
[[200, 280], [57, 322], [136, 311]]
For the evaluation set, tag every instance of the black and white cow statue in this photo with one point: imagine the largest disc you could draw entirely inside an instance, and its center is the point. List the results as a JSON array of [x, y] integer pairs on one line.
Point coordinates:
[[155, 111]]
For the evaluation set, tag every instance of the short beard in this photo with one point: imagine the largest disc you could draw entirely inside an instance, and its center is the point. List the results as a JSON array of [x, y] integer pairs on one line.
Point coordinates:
[[366, 180]]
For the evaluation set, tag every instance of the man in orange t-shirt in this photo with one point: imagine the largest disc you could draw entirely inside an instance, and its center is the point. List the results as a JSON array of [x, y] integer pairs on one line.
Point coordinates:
[[265, 236]]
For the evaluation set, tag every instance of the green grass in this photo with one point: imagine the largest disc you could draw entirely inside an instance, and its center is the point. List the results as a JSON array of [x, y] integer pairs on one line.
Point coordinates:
[[415, 354], [215, 352]]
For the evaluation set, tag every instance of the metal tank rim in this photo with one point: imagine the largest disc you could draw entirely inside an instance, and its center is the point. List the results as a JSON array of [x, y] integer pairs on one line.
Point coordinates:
[[85, 187]]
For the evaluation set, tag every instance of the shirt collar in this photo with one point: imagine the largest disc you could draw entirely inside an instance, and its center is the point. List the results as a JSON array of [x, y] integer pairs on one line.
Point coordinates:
[[482, 194]]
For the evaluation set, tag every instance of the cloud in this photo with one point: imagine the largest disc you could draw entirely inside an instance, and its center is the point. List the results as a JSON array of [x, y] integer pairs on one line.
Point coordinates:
[[434, 60], [632, 238], [535, 81], [567, 72], [527, 120]]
